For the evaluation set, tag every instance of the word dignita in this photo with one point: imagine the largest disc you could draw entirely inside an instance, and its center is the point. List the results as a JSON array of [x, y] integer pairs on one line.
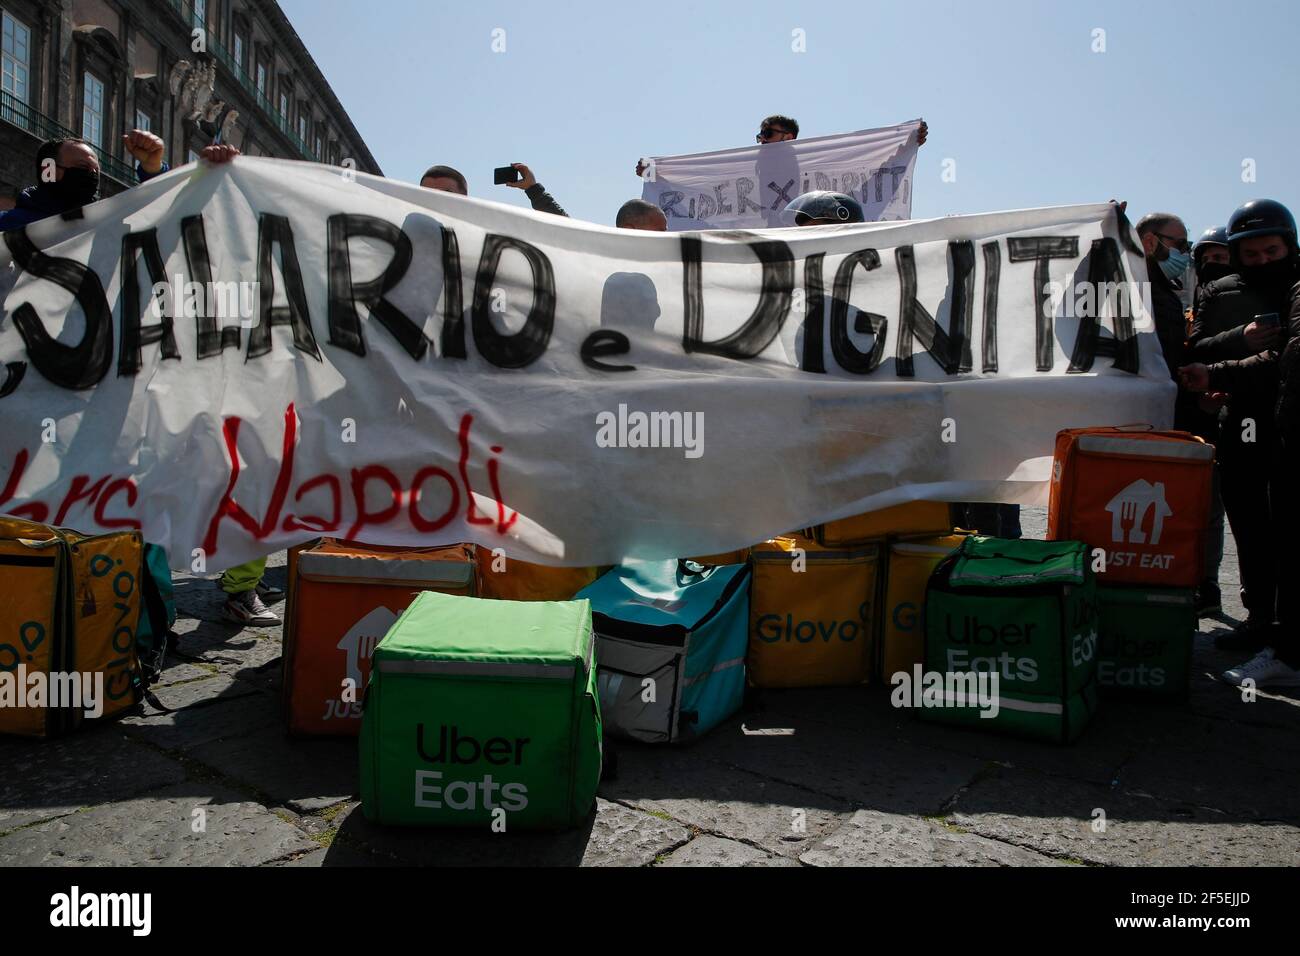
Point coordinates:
[[831, 317]]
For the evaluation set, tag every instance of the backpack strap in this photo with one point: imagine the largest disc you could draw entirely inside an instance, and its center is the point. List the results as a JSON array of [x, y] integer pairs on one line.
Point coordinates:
[[151, 664]]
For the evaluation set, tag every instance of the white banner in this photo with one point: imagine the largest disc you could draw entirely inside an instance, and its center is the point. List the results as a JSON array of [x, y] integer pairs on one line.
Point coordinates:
[[748, 188], [236, 359]]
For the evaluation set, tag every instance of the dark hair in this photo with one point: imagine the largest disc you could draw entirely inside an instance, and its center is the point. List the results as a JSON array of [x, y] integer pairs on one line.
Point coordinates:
[[446, 172], [1154, 221], [50, 150], [634, 210], [784, 122]]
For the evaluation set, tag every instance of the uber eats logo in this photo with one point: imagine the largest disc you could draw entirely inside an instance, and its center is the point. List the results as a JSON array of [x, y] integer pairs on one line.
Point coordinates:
[[1130, 661], [774, 629], [452, 749], [978, 644]]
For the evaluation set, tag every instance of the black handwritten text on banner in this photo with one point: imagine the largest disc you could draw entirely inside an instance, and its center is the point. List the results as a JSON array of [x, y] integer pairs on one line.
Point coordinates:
[[413, 367]]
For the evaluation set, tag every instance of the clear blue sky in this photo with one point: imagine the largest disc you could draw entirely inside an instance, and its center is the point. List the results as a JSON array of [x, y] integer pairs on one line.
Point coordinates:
[[1012, 90]]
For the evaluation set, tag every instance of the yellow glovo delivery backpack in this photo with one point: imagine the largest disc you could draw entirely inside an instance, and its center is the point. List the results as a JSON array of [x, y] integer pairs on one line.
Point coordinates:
[[811, 613], [912, 518], [909, 563], [69, 609]]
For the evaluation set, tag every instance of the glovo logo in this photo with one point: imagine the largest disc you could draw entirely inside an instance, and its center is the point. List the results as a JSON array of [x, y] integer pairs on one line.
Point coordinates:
[[775, 629]]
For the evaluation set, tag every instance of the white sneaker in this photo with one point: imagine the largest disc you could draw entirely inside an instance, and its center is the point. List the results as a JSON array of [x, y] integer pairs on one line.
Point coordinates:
[[248, 609], [1265, 670]]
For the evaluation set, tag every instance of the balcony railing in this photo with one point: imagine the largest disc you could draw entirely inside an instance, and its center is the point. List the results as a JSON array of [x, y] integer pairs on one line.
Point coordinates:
[[26, 117], [185, 10]]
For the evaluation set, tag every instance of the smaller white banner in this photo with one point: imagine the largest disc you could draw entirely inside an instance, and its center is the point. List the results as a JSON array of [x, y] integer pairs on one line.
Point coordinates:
[[749, 188]]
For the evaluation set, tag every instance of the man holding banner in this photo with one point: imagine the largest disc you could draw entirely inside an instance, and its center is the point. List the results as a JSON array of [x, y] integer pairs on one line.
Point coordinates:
[[749, 188]]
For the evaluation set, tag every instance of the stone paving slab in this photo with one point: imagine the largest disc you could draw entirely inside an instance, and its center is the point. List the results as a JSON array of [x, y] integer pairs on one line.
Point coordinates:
[[719, 799], [178, 671], [1056, 817], [205, 710], [304, 774], [872, 838], [614, 836], [339, 854], [48, 778], [159, 830], [716, 851], [1239, 790], [235, 652], [843, 760]]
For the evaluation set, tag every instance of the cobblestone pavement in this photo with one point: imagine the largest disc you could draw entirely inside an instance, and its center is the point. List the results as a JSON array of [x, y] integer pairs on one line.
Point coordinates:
[[812, 778]]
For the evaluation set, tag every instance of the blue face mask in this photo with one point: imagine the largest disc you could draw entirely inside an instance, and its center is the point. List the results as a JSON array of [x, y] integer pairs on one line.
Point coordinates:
[[1175, 264]]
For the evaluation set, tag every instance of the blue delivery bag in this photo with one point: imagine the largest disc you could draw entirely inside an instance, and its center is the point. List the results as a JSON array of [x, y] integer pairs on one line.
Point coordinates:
[[670, 647]]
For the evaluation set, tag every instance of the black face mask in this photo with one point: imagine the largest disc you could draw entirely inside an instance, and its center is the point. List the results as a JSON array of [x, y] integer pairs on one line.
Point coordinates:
[[1208, 272], [78, 187], [1275, 276]]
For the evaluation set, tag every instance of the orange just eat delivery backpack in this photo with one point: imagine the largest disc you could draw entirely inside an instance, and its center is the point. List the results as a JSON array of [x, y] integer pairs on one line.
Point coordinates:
[[343, 598], [1141, 496]]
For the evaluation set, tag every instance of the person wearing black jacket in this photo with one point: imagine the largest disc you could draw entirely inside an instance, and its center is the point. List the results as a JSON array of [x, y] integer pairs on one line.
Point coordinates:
[[1164, 240], [1168, 253], [541, 200], [1264, 385], [1210, 259], [447, 179], [69, 174]]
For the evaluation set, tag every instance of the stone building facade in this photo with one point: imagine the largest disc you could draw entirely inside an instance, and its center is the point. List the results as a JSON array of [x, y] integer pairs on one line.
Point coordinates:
[[99, 68]]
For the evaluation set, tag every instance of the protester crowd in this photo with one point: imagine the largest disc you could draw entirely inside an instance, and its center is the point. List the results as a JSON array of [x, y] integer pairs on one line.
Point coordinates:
[[1231, 341]]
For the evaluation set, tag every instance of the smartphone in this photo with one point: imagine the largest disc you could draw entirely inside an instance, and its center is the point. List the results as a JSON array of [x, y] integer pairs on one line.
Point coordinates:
[[506, 174], [1268, 319]]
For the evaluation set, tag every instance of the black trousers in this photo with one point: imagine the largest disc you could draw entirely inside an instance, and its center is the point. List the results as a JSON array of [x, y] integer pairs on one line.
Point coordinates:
[[1286, 512], [995, 520], [1247, 470]]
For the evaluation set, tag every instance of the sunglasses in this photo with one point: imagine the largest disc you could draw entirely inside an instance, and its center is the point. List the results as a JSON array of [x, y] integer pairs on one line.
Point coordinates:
[[767, 132], [1182, 245]]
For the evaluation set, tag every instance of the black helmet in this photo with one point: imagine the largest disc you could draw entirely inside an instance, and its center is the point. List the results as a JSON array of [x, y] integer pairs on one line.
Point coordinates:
[[1262, 217], [1218, 236], [822, 204]]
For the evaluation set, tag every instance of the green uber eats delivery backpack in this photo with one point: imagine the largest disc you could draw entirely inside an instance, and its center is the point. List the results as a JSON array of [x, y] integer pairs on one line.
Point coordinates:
[[1026, 611], [481, 714]]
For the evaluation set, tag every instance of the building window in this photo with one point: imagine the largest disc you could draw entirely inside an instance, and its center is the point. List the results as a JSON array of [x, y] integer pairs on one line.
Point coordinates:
[[319, 153], [261, 79], [302, 124], [284, 104], [92, 110], [142, 121], [201, 14], [239, 53], [17, 58]]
